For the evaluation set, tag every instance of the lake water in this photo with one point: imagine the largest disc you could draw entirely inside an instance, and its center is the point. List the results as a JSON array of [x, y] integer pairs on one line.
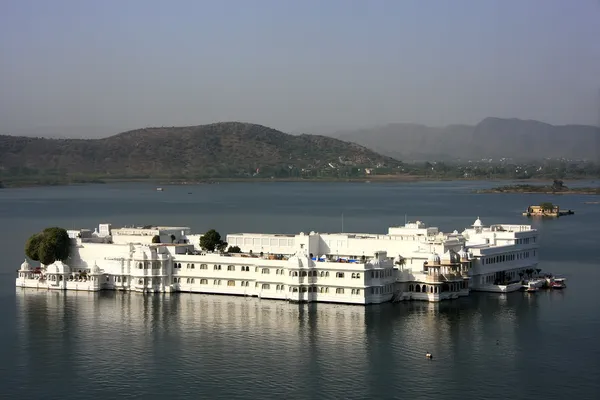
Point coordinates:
[[487, 346]]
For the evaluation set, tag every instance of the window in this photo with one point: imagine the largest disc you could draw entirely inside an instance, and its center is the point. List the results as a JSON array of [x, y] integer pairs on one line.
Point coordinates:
[[231, 268], [355, 291], [217, 267], [339, 291], [304, 289], [303, 273], [190, 266], [265, 271], [203, 266], [266, 286], [141, 265], [339, 274], [216, 282], [203, 282], [176, 280], [230, 283]]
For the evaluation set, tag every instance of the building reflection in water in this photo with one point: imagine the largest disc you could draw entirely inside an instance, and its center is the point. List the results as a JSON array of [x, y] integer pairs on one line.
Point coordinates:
[[235, 344]]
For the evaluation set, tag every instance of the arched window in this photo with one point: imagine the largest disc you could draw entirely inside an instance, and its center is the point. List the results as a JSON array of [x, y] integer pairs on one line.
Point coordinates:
[[203, 282], [230, 283], [304, 289], [339, 274], [265, 270], [339, 291]]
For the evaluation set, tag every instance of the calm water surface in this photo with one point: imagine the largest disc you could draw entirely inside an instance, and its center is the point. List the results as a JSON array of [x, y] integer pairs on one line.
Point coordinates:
[[82, 345]]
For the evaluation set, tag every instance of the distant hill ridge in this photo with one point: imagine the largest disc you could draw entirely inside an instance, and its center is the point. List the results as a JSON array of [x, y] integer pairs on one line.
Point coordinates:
[[225, 149], [491, 138]]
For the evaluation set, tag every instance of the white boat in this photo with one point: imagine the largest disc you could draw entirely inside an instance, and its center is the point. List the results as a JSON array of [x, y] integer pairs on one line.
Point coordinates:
[[409, 262]]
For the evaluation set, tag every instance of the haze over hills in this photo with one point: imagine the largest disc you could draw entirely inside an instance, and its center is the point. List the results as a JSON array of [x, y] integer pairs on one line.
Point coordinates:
[[491, 138], [227, 149]]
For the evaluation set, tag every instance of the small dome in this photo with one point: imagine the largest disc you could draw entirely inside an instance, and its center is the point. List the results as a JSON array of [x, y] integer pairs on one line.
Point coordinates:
[[58, 267], [95, 269], [25, 266], [477, 223], [295, 262], [450, 257], [434, 258]]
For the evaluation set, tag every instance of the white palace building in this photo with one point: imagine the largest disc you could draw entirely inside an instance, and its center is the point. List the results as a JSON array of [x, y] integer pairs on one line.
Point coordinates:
[[410, 262]]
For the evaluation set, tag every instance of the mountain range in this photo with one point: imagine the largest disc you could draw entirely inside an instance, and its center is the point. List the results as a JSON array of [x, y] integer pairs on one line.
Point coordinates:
[[494, 138], [227, 149]]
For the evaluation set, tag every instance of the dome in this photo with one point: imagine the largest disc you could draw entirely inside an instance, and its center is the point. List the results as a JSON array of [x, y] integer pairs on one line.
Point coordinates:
[[295, 262], [58, 267], [434, 258], [450, 257], [477, 223], [463, 254], [95, 269], [25, 266]]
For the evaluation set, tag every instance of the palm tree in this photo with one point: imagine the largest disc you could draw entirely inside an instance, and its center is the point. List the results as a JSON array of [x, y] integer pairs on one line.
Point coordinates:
[[401, 261], [538, 270]]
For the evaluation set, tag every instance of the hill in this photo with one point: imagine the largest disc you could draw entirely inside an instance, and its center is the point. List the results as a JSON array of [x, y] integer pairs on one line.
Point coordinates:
[[222, 150], [522, 140]]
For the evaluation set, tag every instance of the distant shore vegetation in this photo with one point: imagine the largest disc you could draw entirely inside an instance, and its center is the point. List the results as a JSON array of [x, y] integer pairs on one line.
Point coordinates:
[[557, 187]]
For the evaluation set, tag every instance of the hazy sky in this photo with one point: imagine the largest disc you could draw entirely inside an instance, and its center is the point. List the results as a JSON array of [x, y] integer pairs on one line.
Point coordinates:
[[304, 65]]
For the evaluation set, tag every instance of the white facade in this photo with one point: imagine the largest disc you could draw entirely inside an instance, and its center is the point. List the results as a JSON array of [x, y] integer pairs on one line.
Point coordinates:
[[409, 262]]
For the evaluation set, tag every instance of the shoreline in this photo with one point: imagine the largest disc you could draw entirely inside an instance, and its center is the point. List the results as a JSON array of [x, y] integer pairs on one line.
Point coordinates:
[[371, 179], [566, 192]]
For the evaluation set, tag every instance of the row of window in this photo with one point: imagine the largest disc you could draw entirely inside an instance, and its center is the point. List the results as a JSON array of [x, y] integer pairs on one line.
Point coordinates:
[[149, 265], [293, 289], [446, 287], [508, 257], [311, 273], [526, 240]]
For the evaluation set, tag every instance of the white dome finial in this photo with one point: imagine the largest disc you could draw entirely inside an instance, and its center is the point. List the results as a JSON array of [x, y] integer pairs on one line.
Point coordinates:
[[477, 223]]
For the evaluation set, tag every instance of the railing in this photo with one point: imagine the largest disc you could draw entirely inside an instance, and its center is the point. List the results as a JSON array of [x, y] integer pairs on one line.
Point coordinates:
[[435, 278]]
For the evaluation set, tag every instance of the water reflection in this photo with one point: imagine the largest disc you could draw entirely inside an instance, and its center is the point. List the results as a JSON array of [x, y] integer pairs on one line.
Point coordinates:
[[233, 346]]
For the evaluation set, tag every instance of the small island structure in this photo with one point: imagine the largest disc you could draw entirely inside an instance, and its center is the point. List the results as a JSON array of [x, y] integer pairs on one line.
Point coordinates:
[[413, 261], [546, 210]]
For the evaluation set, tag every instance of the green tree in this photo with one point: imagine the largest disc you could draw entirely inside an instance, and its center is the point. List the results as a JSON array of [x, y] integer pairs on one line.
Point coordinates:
[[212, 241], [49, 245], [155, 239], [234, 249]]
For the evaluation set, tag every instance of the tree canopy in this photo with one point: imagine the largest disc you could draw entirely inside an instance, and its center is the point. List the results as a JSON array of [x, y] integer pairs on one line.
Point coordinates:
[[155, 239], [212, 241], [48, 246], [234, 249]]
